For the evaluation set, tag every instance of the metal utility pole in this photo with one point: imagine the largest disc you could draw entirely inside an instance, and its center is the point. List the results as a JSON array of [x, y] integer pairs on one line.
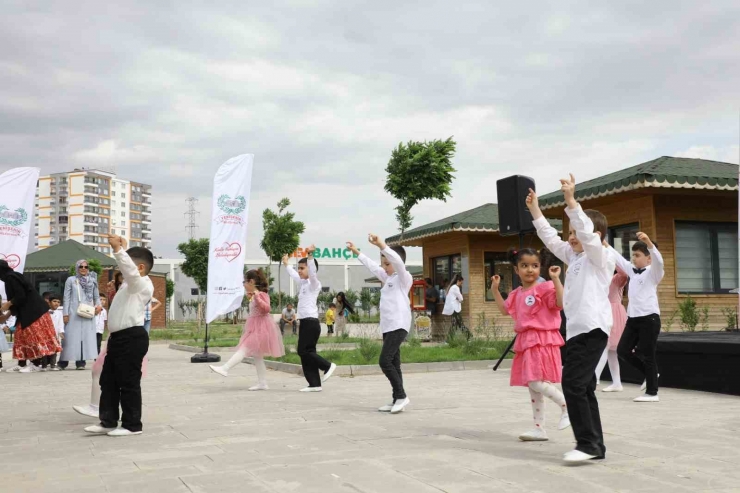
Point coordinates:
[[191, 214]]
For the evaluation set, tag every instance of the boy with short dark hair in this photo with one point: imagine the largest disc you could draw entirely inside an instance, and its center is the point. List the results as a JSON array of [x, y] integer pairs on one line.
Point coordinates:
[[588, 313], [330, 314], [57, 316], [643, 312], [308, 314], [395, 313], [101, 320], [128, 343]]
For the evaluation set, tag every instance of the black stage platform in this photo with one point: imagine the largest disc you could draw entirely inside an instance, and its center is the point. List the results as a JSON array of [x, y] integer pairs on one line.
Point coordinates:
[[707, 361]]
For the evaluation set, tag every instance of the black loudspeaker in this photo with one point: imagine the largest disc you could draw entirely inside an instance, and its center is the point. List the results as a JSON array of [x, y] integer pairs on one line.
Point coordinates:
[[513, 216]]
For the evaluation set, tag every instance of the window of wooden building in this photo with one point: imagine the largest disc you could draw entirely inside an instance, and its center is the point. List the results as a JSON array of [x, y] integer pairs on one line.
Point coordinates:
[[706, 257]]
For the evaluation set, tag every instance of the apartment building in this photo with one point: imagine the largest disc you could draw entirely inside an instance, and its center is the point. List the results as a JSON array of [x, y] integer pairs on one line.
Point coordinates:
[[87, 204]]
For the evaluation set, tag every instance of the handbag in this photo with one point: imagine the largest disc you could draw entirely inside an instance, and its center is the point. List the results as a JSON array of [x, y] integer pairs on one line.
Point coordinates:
[[84, 310]]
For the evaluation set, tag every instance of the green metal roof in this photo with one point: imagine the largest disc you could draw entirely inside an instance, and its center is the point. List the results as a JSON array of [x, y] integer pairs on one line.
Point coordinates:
[[664, 172], [481, 219], [60, 257]]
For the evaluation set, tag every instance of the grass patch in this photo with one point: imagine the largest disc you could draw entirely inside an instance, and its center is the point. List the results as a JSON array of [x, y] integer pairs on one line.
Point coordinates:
[[367, 354], [289, 340]]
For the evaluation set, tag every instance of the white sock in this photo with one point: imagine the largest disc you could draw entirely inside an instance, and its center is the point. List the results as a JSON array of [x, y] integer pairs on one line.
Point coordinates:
[[259, 364], [235, 360], [551, 392], [538, 409], [614, 368], [95, 390], [601, 365]]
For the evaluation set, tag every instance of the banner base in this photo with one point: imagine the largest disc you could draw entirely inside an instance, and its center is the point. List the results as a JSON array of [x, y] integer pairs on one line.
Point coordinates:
[[205, 358]]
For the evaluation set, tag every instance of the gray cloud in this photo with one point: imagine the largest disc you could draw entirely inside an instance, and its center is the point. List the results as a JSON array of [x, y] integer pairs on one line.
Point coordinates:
[[321, 92]]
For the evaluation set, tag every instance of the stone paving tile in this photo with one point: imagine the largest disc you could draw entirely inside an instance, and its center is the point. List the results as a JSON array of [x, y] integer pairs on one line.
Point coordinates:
[[204, 433]]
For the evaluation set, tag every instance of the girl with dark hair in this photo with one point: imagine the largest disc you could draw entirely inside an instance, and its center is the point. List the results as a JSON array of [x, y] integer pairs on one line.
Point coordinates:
[[453, 301], [261, 335], [35, 336], [344, 309], [114, 286], [535, 308]]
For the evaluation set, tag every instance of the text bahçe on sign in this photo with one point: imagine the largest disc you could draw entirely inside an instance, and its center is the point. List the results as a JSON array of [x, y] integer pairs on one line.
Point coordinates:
[[338, 253]]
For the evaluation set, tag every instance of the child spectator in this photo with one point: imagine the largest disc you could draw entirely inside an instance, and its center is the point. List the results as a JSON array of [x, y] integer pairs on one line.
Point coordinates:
[[330, 318]]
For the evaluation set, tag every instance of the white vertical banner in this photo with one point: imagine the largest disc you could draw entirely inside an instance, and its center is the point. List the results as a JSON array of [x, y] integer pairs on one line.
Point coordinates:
[[17, 197], [231, 188]]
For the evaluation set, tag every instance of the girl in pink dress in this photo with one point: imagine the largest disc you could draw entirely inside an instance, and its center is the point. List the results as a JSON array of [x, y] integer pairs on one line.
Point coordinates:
[[261, 335], [535, 307], [619, 315]]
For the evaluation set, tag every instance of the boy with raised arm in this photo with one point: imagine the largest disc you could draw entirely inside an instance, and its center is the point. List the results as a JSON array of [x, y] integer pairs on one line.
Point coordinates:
[[395, 313], [309, 288], [587, 310]]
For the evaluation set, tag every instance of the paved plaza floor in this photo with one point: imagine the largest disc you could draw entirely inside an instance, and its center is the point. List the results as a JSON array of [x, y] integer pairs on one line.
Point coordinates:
[[204, 433]]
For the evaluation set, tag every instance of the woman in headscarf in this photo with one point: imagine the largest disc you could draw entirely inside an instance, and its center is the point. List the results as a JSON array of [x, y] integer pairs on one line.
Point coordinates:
[[80, 340], [344, 309], [35, 336]]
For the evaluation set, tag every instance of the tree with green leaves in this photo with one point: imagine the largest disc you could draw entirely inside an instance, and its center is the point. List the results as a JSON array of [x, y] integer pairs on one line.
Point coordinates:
[[195, 265], [419, 171], [282, 235], [169, 293], [366, 300]]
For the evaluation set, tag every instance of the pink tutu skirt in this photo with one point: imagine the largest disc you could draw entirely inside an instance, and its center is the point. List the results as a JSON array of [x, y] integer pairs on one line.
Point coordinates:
[[262, 337], [619, 316], [537, 358], [100, 360]]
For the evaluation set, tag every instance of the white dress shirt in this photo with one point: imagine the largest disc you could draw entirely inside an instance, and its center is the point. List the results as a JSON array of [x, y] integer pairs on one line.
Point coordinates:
[[395, 305], [100, 319], [57, 317], [453, 301], [643, 290], [308, 290], [127, 309], [586, 294]]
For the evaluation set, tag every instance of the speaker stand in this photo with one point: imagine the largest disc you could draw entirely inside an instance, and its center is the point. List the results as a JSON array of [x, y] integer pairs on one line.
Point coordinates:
[[511, 344]]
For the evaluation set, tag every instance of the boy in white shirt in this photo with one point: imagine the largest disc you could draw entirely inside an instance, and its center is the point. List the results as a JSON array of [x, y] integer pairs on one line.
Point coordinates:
[[395, 313], [588, 313], [128, 343], [309, 288], [643, 312], [101, 320], [57, 316]]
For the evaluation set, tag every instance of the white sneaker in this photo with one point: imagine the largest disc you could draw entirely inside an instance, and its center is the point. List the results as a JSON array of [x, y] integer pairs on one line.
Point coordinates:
[[564, 421], [399, 406], [536, 435], [387, 408], [88, 410], [98, 430], [219, 370], [647, 398], [14, 369], [329, 372], [123, 432], [259, 386], [27, 369], [311, 389], [613, 388], [577, 456], [54, 368]]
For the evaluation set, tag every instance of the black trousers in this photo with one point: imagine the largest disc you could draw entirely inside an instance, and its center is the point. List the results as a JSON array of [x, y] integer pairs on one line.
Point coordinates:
[[390, 361], [120, 382], [579, 386], [99, 337], [310, 360], [282, 326], [641, 334]]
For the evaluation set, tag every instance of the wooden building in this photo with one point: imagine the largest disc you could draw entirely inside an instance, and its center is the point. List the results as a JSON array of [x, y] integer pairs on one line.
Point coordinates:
[[689, 206]]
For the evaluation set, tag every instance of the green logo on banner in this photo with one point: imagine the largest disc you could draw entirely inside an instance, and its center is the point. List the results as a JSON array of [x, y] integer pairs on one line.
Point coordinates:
[[12, 218], [232, 206]]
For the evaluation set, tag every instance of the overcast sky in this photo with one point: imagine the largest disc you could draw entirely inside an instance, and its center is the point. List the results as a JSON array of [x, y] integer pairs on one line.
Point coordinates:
[[322, 91]]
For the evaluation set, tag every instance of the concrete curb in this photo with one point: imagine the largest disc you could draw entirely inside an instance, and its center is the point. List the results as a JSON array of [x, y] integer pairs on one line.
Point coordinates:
[[360, 370]]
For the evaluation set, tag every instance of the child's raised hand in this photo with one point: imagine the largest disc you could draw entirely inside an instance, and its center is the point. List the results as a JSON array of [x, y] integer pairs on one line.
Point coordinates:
[[376, 240], [532, 201], [495, 282], [351, 246], [286, 260], [645, 239], [568, 187], [554, 272], [310, 250], [117, 242]]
